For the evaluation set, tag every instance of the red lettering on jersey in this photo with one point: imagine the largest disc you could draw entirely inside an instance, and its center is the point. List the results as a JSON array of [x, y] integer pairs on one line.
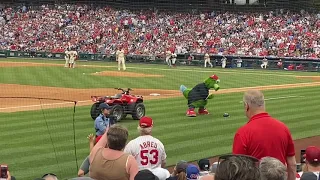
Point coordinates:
[[148, 144], [144, 157]]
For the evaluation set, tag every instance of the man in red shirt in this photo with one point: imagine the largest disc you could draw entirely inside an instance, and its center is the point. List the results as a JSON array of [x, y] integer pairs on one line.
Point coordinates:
[[263, 135]]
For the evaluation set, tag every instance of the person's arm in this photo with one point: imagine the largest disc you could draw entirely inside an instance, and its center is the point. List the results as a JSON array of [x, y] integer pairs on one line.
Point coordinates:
[[101, 144], [91, 141], [291, 167], [291, 160], [239, 146], [84, 168], [132, 167]]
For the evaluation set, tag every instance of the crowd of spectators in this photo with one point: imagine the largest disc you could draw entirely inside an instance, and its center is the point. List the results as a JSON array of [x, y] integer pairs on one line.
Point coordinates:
[[102, 30]]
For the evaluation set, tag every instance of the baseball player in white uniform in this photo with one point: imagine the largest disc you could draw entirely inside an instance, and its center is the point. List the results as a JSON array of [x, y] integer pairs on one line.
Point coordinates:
[[174, 59], [264, 63], [223, 62], [67, 58], [239, 62], [120, 59], [148, 151], [168, 56], [73, 55], [207, 60]]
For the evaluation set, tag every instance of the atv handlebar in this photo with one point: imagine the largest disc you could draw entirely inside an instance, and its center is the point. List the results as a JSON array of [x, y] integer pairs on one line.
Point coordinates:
[[125, 91]]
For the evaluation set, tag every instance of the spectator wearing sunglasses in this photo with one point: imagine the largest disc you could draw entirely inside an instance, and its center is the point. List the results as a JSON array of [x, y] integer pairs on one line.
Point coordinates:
[[272, 169], [312, 159], [263, 135], [237, 167]]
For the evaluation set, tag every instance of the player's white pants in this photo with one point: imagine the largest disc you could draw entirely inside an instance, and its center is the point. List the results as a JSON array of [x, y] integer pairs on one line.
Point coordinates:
[[264, 65], [174, 60], [238, 65], [67, 62], [224, 63], [71, 61], [207, 61], [123, 64], [74, 64], [168, 61]]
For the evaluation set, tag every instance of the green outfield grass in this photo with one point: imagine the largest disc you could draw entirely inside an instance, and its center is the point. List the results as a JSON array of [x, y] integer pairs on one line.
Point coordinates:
[[26, 136], [74, 78]]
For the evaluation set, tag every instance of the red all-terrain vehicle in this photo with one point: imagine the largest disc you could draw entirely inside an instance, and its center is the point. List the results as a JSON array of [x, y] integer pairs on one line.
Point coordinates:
[[122, 104]]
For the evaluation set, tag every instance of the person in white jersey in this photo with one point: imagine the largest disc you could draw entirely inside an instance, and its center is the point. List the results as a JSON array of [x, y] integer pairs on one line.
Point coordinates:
[[148, 151], [168, 56], [264, 63], [67, 58], [120, 57], [73, 56], [223, 62], [207, 60]]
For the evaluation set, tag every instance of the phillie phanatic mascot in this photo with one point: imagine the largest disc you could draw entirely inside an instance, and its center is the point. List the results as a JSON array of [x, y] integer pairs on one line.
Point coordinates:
[[198, 96]]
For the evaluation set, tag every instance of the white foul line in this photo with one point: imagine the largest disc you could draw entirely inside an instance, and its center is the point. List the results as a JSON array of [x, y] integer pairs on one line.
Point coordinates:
[[281, 97], [51, 104]]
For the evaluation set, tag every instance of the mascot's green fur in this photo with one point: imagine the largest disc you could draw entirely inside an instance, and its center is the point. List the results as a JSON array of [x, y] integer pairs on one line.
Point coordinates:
[[198, 96]]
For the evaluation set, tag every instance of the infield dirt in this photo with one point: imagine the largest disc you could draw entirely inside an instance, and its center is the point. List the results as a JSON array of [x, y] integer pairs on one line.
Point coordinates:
[[13, 103]]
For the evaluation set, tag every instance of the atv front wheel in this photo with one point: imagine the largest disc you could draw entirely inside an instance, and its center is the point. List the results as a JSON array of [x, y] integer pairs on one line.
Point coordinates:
[[118, 112], [139, 111], [95, 111]]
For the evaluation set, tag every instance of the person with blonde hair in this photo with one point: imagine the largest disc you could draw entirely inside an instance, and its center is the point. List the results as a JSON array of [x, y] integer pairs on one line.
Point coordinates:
[[148, 151]]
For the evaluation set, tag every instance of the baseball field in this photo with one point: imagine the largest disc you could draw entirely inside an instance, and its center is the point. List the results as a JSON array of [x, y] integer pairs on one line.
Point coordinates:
[[39, 135]]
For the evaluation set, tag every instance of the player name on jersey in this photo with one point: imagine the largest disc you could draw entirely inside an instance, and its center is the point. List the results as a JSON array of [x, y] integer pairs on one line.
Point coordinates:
[[148, 144]]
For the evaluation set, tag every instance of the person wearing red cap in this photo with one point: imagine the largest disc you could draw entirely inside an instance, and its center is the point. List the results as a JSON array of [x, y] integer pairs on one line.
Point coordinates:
[[148, 151], [312, 158]]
